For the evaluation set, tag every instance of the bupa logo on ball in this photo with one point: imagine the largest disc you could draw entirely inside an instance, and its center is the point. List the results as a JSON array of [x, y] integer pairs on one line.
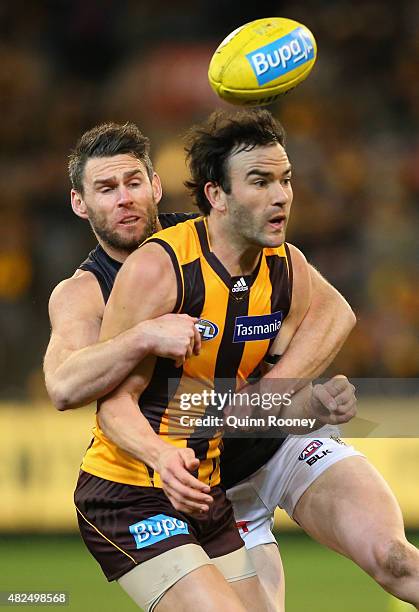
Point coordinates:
[[258, 327], [157, 528], [207, 329], [310, 449], [281, 56]]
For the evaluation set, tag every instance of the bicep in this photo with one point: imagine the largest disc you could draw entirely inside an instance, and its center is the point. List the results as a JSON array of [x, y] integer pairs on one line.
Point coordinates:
[[75, 311], [145, 288]]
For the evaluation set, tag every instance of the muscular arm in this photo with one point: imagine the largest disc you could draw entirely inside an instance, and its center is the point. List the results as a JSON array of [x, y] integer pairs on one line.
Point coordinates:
[[145, 288], [313, 332], [310, 343], [317, 326], [78, 367]]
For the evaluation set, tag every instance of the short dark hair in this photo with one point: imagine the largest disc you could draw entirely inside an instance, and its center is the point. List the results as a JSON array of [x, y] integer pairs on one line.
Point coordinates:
[[107, 140], [209, 145]]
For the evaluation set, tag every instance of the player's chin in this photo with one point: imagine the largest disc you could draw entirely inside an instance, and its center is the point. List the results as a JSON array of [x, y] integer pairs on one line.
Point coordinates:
[[274, 238], [132, 232]]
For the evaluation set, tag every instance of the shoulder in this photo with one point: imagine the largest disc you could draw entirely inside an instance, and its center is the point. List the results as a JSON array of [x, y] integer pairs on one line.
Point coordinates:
[[79, 293], [298, 259], [170, 219], [148, 273], [301, 283], [180, 240]]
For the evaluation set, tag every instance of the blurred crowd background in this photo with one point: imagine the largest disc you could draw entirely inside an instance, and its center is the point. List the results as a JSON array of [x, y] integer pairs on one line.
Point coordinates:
[[353, 138]]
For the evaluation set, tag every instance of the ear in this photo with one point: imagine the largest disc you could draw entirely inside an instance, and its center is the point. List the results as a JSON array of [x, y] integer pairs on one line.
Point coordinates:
[[157, 188], [215, 196], [78, 205]]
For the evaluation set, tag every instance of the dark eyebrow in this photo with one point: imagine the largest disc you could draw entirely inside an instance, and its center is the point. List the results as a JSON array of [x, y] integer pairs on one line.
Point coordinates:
[[264, 174], [132, 173], [112, 179]]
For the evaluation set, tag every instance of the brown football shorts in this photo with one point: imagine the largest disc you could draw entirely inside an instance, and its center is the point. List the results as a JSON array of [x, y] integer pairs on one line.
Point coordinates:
[[124, 525]]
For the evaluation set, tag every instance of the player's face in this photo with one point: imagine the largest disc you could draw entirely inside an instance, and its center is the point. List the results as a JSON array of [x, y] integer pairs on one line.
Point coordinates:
[[121, 201], [261, 195]]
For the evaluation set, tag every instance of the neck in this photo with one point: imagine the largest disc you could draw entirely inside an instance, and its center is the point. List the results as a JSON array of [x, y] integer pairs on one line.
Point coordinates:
[[117, 254], [238, 256], [121, 254]]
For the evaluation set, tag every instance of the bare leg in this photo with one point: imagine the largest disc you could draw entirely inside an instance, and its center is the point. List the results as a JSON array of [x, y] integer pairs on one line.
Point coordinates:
[[251, 594], [205, 589], [268, 564], [351, 509]]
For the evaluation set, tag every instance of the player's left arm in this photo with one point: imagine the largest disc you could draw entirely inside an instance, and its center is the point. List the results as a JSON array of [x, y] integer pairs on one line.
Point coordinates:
[[316, 328], [318, 324]]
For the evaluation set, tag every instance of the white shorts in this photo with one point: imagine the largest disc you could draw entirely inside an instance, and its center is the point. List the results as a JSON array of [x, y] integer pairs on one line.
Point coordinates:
[[282, 481]]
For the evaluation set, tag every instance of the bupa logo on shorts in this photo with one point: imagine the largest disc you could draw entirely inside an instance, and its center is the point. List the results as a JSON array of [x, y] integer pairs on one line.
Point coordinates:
[[281, 56], [157, 528], [310, 449], [207, 329], [259, 327]]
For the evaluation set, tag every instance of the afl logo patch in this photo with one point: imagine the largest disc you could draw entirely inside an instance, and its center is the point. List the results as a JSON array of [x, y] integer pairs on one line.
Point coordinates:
[[310, 449], [207, 329]]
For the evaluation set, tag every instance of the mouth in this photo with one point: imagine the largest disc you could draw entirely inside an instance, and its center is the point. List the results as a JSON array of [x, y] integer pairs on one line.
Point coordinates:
[[129, 220], [278, 222]]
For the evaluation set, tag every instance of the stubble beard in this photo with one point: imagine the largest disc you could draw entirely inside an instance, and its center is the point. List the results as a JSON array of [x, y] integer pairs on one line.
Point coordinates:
[[113, 239], [243, 225]]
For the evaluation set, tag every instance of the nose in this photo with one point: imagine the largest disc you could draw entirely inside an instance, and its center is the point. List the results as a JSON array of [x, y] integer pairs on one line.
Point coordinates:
[[279, 195], [124, 196]]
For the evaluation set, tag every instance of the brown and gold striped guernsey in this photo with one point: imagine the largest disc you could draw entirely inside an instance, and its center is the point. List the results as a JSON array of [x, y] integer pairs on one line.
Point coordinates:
[[239, 317]]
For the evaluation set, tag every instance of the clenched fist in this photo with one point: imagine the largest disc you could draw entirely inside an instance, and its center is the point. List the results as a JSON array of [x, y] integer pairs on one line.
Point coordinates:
[[333, 402]]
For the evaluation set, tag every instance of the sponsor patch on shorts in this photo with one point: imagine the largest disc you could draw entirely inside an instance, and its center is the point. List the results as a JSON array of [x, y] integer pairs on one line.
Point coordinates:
[[157, 528], [310, 449]]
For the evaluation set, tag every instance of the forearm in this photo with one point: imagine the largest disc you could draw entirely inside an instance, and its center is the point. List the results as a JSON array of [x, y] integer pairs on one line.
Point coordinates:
[[298, 408], [122, 421], [95, 370]]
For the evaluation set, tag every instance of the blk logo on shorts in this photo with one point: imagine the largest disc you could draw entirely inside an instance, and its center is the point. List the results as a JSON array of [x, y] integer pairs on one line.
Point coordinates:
[[310, 449], [157, 528]]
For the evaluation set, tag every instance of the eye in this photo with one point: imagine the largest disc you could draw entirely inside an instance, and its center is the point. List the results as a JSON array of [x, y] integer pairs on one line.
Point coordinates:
[[261, 183], [135, 184], [287, 181], [105, 189]]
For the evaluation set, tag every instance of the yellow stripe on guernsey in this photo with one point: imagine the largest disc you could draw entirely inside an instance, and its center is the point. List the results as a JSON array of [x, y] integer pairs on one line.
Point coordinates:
[[238, 319]]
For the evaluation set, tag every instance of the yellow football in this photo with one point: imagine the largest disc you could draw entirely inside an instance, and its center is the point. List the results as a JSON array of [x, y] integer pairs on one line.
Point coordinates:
[[261, 60]]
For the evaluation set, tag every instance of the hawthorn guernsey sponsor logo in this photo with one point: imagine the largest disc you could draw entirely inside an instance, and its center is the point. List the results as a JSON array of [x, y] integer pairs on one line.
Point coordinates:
[[259, 327], [281, 56], [310, 449], [157, 528], [240, 285], [207, 329]]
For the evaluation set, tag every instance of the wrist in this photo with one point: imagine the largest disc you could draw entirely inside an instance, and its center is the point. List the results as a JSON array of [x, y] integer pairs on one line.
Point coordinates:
[[156, 452], [143, 340]]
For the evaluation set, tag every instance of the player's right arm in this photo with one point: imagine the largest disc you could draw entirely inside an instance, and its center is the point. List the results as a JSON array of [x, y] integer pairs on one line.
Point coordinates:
[[78, 368], [146, 287]]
